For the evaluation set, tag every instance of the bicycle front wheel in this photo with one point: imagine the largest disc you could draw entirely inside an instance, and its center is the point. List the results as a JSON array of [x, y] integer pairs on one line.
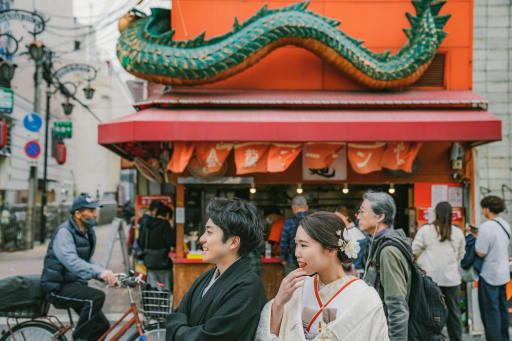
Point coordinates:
[[152, 333], [33, 330]]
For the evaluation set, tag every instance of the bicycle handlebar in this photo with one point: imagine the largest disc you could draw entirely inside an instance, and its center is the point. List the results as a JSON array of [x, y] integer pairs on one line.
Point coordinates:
[[131, 280]]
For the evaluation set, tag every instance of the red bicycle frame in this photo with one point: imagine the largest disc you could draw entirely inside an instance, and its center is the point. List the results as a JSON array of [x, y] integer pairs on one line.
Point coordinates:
[[135, 319]]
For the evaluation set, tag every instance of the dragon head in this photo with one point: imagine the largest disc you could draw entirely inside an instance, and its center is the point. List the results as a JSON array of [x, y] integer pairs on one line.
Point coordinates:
[[128, 18]]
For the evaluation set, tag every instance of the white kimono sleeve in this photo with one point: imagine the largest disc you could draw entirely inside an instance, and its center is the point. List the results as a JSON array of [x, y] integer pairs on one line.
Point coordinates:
[[263, 332]]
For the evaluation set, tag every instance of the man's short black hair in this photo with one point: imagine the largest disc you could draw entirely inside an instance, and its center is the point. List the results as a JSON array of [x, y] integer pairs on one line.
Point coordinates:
[[162, 210], [237, 217], [495, 204], [155, 205]]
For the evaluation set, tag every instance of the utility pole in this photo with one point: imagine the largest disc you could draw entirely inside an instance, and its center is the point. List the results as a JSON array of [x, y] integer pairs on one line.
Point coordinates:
[[31, 224], [47, 75]]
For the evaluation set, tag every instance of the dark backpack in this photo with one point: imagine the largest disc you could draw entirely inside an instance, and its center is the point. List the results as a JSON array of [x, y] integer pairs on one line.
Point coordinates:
[[427, 307], [470, 257]]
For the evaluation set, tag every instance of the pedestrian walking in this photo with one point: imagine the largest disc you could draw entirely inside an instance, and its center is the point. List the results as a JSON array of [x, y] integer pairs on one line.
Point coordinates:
[[147, 215], [287, 254], [390, 275], [157, 239], [440, 247], [492, 245], [348, 215], [276, 224]]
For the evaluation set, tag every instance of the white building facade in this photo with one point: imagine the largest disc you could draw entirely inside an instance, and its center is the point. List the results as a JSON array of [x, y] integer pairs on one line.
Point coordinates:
[[89, 168], [492, 78]]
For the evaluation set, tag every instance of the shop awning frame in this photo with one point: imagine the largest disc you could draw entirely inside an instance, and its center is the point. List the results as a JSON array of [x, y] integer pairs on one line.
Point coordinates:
[[303, 116], [307, 99]]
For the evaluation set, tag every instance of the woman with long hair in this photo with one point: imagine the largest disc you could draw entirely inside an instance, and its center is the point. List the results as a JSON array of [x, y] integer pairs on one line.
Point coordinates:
[[318, 301], [440, 247]]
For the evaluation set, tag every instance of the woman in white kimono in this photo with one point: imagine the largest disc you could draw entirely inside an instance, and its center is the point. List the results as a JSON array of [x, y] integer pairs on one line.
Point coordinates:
[[318, 301]]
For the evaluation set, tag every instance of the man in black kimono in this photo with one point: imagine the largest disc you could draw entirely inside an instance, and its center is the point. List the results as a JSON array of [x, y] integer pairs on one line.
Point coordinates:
[[225, 302]]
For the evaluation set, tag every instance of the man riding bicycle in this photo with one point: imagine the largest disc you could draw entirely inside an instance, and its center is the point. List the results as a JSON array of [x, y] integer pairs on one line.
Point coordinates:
[[68, 266]]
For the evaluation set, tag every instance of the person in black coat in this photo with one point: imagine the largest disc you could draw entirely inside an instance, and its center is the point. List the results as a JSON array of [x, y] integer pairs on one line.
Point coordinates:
[[156, 240], [225, 302]]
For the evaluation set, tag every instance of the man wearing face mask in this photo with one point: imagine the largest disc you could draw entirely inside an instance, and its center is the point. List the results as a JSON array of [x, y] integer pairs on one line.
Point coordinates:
[[68, 266]]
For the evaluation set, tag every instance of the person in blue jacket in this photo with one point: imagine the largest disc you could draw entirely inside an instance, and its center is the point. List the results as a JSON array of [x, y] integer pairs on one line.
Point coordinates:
[[68, 266]]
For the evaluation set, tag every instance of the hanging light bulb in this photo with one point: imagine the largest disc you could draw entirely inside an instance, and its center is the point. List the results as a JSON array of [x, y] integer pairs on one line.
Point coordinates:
[[299, 189], [345, 189], [252, 190], [391, 189]]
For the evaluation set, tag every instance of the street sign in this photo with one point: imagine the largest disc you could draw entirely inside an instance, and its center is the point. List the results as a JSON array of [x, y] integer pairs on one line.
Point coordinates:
[[6, 100], [32, 122], [32, 149], [63, 129]]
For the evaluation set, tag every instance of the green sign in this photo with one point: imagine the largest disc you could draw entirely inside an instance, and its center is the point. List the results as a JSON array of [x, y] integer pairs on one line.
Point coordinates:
[[6, 100], [63, 129]]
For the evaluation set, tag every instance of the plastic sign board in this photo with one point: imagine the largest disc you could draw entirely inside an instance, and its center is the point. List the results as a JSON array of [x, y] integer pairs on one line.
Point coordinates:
[[60, 153], [32, 122], [3, 134], [6, 100], [32, 149], [63, 129]]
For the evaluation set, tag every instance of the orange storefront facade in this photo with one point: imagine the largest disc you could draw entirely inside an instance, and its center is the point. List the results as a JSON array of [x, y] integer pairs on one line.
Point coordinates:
[[293, 97]]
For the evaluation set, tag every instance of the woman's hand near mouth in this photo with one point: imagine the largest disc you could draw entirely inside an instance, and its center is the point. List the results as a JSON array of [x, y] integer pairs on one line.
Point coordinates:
[[290, 283]]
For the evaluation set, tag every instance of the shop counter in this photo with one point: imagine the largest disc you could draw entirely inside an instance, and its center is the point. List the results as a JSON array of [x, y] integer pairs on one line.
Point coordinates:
[[187, 270]]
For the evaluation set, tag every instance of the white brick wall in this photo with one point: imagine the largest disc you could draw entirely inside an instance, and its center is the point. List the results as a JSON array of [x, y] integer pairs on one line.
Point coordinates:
[[492, 78]]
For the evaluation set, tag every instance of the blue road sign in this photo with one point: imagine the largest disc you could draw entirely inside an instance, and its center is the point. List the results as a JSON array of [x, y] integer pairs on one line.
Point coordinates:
[[32, 149], [32, 122]]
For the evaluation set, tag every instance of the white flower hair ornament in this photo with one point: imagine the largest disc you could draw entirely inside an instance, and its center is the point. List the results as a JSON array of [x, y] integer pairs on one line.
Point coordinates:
[[349, 246]]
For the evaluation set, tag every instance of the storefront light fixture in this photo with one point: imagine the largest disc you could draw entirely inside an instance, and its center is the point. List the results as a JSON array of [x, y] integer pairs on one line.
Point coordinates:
[[345, 189], [391, 189], [67, 107], [252, 190], [36, 50], [6, 73], [299, 189], [89, 91]]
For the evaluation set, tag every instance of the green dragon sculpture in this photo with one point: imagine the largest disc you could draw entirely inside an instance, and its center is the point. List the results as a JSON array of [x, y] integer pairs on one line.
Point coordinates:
[[147, 50]]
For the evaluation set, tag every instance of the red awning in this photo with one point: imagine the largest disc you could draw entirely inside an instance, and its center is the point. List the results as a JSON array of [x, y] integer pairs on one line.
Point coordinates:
[[159, 124], [302, 116]]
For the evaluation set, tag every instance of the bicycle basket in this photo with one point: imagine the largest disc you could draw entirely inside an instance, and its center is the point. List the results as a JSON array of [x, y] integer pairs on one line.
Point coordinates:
[[34, 310], [156, 305]]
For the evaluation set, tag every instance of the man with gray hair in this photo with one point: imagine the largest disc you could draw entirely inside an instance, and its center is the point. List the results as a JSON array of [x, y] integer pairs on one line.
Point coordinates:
[[287, 254], [390, 275]]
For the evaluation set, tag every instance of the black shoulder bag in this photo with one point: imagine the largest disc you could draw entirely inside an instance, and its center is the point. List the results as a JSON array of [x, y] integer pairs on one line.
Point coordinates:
[[156, 259]]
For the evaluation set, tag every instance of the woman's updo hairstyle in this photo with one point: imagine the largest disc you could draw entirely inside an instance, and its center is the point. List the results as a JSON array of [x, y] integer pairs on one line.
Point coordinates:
[[322, 227]]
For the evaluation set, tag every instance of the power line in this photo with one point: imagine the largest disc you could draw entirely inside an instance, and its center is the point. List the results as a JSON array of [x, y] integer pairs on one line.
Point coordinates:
[[87, 33], [106, 15], [68, 28], [108, 37]]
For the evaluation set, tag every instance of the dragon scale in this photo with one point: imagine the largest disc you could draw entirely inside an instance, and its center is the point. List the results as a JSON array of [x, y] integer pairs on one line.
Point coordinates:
[[146, 47]]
